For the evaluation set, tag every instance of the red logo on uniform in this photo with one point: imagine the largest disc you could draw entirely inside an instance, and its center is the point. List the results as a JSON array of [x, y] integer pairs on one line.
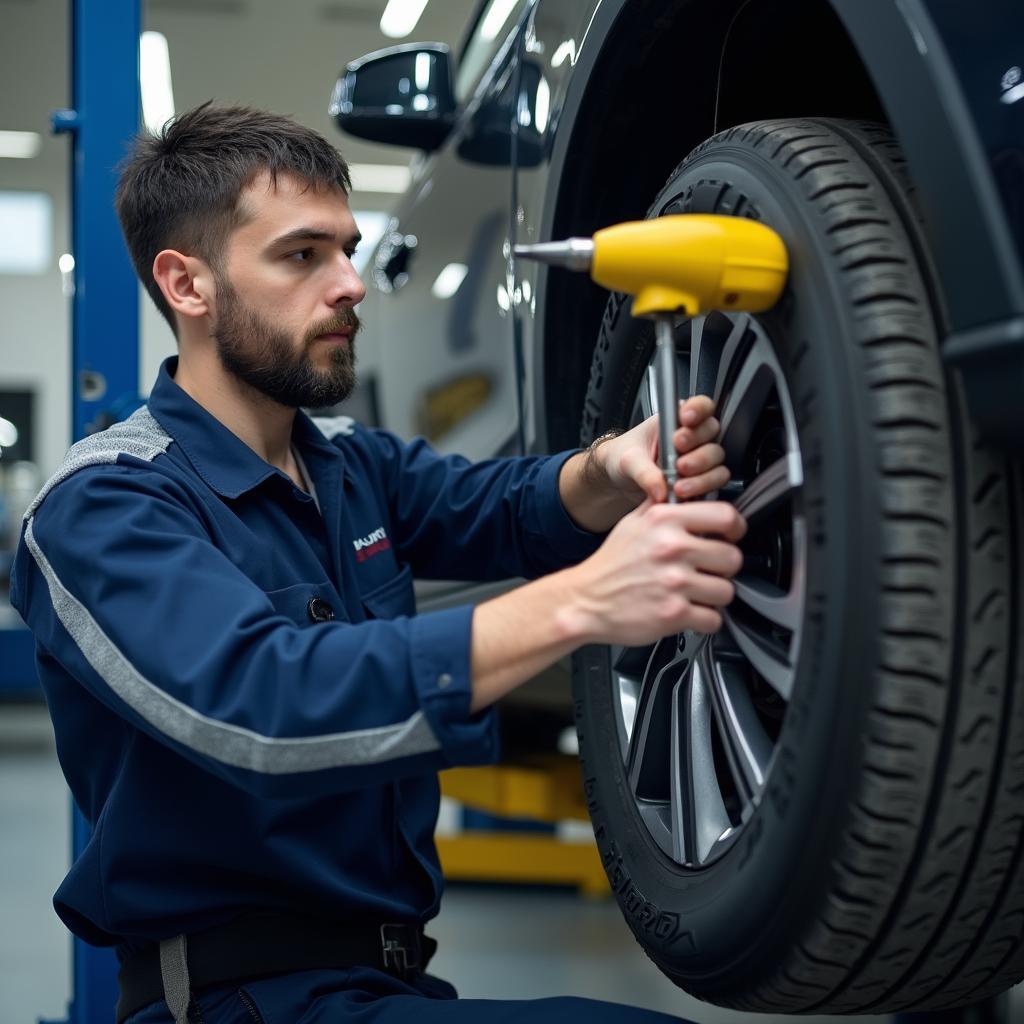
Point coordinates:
[[372, 544]]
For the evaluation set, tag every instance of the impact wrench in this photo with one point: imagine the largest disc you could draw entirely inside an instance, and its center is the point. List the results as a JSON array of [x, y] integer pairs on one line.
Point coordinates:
[[682, 264]]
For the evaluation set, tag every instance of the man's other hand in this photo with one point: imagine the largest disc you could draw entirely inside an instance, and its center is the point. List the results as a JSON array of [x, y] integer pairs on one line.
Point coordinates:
[[663, 569], [630, 462]]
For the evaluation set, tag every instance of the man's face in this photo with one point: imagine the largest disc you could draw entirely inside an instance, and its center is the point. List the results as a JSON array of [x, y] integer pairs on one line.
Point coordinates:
[[284, 322]]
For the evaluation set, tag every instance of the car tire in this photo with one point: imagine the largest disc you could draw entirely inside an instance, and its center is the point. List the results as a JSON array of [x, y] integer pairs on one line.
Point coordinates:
[[877, 864]]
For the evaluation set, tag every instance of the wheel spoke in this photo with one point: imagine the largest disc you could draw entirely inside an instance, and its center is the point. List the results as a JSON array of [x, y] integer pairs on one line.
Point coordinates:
[[731, 350], [648, 756], [700, 357], [745, 400], [764, 655], [746, 743], [699, 817], [775, 604], [771, 487]]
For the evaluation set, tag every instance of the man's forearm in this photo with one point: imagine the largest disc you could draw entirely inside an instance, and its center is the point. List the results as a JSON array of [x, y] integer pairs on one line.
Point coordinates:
[[592, 503], [519, 634]]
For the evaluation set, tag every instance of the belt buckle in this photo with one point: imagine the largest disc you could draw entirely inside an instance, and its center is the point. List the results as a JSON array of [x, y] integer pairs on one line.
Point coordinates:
[[401, 957]]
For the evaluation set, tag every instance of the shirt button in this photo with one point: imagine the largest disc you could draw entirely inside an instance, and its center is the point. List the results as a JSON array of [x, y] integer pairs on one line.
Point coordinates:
[[319, 610], [444, 680]]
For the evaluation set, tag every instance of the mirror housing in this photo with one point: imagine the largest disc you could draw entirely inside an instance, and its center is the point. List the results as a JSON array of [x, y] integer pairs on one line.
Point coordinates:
[[488, 136], [402, 95]]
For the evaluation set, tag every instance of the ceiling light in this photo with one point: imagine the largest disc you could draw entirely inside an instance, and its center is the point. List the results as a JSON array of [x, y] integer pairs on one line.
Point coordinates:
[[19, 145], [379, 177], [449, 280], [400, 17], [155, 80]]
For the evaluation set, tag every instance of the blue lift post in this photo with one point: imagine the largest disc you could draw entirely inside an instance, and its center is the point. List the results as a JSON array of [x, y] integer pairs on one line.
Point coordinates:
[[105, 321]]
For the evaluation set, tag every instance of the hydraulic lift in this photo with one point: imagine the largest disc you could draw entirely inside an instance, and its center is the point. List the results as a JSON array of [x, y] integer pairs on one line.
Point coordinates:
[[103, 118]]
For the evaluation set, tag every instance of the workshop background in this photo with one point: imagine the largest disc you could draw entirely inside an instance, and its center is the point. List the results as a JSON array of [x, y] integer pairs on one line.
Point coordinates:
[[496, 940]]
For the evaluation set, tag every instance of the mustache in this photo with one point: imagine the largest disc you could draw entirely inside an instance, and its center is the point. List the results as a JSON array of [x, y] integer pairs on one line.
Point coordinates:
[[345, 317]]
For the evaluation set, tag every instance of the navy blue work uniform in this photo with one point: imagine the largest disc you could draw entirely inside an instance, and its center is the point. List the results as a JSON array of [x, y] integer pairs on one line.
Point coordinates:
[[246, 708]]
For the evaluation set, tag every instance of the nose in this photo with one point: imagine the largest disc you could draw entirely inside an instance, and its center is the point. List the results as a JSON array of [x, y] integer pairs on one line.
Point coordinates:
[[346, 286]]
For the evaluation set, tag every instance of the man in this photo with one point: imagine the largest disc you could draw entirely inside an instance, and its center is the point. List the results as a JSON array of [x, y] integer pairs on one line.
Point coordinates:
[[246, 707]]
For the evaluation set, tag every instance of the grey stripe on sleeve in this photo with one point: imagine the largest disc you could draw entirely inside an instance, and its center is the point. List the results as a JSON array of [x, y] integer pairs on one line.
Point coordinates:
[[229, 744], [139, 435]]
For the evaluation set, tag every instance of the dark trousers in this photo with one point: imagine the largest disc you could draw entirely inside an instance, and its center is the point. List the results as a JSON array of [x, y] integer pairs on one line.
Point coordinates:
[[366, 996]]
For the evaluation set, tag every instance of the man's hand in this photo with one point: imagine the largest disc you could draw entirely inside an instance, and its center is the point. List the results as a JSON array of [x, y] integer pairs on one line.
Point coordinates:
[[599, 486], [659, 572], [630, 462]]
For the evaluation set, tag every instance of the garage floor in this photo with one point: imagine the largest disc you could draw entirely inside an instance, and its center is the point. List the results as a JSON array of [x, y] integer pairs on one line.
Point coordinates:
[[495, 942]]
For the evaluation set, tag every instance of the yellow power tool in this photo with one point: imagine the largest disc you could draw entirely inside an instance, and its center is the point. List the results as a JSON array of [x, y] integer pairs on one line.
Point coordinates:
[[683, 264]]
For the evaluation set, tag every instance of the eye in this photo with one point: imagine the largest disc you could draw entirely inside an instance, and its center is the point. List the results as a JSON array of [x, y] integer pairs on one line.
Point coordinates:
[[351, 252], [301, 256]]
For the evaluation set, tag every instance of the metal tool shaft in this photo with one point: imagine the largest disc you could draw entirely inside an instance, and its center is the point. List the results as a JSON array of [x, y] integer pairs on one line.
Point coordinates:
[[572, 254], [667, 390]]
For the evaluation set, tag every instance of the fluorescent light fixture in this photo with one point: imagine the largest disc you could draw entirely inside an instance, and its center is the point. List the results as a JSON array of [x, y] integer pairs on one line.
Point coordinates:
[[400, 17], [26, 233], [155, 80], [497, 14], [379, 177], [449, 280], [8, 433], [19, 145], [422, 71]]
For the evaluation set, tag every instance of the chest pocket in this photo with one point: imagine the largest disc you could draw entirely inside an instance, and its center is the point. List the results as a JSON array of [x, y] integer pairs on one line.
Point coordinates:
[[392, 598], [308, 604]]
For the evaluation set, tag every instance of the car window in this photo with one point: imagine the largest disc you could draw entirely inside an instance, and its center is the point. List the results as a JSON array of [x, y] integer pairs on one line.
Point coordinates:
[[492, 28]]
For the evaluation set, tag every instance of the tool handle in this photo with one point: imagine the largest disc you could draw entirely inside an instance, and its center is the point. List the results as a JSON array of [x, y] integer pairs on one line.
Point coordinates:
[[667, 391]]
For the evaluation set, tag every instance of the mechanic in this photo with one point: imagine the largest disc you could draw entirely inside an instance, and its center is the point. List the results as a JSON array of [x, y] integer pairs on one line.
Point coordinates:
[[247, 710]]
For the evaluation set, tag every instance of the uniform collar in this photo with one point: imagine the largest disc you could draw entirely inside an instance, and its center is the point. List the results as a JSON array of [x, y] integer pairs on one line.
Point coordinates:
[[220, 457]]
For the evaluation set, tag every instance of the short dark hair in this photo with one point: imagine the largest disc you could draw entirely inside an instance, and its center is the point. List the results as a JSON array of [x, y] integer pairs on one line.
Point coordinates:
[[179, 188]]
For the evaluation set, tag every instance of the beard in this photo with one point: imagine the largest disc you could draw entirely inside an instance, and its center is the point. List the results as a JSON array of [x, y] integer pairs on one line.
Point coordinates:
[[264, 357]]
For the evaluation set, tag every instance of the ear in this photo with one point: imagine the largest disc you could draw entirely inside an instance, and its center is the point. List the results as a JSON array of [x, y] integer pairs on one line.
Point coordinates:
[[186, 281]]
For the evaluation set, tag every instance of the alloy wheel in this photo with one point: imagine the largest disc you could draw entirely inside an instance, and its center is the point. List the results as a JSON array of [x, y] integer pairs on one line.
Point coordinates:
[[699, 717]]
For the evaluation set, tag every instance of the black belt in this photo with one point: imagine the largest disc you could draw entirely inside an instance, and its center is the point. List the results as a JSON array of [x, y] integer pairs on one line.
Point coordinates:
[[264, 945]]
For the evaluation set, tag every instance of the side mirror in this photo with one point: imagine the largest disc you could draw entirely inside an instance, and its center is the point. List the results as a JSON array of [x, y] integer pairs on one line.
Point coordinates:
[[402, 95], [488, 137]]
